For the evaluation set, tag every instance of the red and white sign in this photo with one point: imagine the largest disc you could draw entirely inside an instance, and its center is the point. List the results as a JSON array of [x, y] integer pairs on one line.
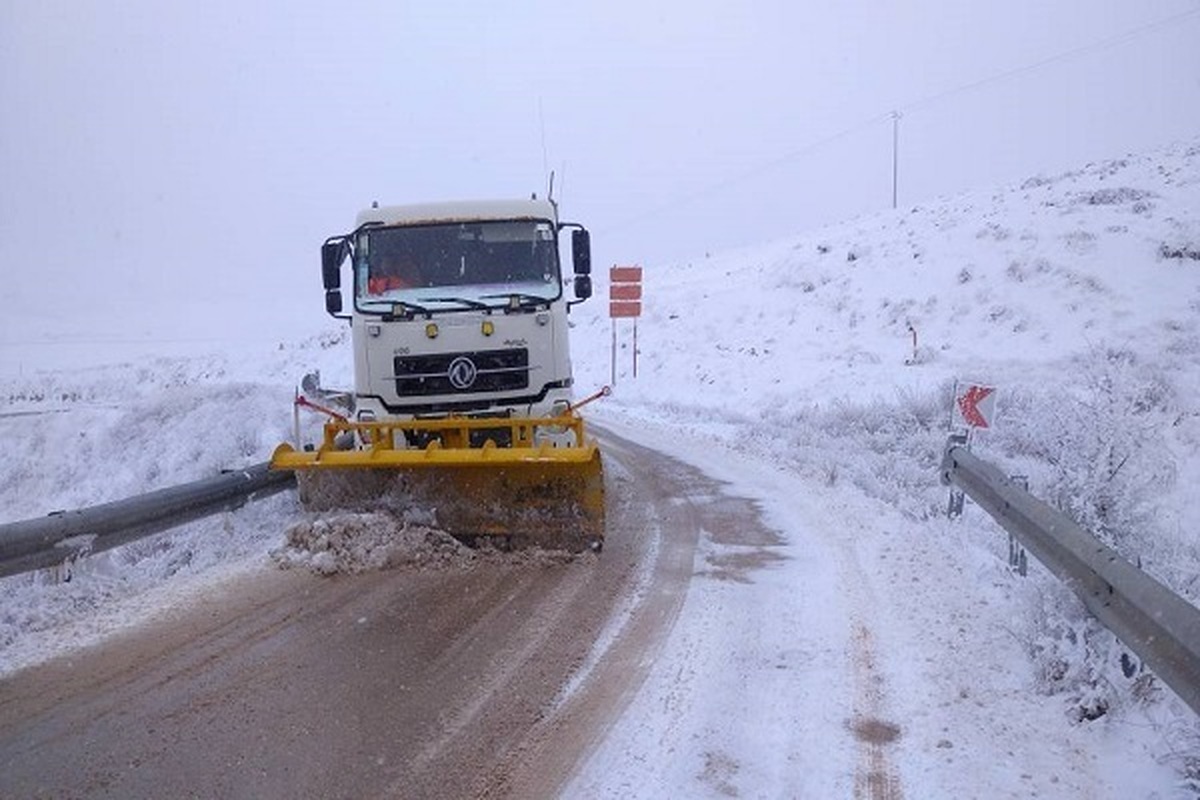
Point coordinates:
[[974, 405], [625, 292], [616, 309], [624, 300], [625, 274]]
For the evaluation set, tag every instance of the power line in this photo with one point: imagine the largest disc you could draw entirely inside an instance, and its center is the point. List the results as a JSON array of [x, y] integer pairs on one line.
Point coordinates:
[[750, 173], [1103, 44]]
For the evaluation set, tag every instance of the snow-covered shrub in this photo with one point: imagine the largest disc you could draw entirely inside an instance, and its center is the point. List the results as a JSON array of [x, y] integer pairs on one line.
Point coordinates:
[[1101, 454], [1179, 252], [1111, 197], [888, 449], [1081, 242], [1183, 741], [1079, 659]]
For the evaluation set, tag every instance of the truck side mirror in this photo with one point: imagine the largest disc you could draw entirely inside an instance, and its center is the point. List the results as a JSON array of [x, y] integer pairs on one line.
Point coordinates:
[[333, 301], [581, 251], [333, 253], [583, 287]]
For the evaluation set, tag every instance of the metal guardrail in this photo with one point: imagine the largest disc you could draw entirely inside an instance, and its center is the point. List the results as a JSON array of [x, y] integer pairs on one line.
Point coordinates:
[[51, 540], [1158, 625]]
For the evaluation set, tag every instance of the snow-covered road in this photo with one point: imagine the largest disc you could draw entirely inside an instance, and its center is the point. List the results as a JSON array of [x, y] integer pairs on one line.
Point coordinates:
[[845, 651]]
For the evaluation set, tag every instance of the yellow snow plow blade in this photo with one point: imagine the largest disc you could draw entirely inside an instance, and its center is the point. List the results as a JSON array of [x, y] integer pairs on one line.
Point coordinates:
[[530, 481]]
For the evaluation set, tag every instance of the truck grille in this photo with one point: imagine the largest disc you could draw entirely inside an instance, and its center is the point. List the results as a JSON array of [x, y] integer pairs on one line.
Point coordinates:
[[462, 373]]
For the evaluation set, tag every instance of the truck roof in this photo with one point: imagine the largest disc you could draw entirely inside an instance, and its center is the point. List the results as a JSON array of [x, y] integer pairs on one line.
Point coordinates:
[[459, 211]]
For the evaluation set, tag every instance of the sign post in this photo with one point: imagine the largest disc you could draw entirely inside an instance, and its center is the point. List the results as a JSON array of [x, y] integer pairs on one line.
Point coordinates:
[[624, 300], [974, 409]]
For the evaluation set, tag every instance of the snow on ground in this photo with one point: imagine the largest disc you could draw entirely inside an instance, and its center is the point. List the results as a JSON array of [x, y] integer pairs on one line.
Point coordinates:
[[860, 615], [782, 370]]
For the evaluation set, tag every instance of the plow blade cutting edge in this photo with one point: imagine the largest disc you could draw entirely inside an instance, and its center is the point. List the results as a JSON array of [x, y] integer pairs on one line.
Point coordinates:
[[543, 486]]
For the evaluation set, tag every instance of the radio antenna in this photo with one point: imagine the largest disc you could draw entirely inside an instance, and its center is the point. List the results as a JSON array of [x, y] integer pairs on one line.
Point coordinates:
[[542, 125]]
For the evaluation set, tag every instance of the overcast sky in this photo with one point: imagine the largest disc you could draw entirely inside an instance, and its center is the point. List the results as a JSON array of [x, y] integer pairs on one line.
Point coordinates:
[[202, 151]]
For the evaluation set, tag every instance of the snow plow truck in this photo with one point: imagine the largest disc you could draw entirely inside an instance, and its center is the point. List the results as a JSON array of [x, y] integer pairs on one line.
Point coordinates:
[[462, 399]]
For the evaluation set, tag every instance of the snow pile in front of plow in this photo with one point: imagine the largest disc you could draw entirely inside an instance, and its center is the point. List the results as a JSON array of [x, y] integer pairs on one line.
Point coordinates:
[[363, 542], [352, 542]]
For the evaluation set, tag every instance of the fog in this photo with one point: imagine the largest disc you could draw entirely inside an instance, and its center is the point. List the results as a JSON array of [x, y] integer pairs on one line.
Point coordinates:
[[181, 164]]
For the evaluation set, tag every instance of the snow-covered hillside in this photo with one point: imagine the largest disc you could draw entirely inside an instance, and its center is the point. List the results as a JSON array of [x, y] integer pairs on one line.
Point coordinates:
[[1077, 295], [1030, 275]]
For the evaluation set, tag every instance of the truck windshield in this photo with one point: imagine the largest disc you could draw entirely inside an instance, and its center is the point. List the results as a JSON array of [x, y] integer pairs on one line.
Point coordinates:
[[457, 266]]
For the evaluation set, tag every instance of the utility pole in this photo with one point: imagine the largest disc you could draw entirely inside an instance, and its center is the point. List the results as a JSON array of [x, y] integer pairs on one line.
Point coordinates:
[[895, 153]]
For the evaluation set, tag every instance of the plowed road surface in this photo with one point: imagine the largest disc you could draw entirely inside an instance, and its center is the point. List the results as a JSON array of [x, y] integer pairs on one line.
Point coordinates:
[[491, 682]]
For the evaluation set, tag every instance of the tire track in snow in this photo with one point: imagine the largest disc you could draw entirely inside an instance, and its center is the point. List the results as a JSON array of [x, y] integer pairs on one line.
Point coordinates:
[[875, 777]]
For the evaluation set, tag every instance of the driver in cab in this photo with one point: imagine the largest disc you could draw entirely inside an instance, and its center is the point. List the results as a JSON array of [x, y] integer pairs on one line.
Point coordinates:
[[393, 271]]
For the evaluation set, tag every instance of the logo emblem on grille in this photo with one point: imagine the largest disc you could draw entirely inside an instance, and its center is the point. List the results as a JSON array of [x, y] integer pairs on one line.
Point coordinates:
[[462, 373]]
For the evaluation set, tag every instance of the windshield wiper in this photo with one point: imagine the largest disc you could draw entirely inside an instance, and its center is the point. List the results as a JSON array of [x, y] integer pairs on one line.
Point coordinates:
[[465, 301], [520, 299]]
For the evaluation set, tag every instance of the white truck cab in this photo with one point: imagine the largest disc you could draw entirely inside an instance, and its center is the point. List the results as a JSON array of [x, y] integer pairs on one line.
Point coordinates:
[[458, 309]]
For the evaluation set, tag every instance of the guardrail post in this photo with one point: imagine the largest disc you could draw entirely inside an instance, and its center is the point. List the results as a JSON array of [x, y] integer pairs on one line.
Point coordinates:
[[1018, 558], [955, 508]]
